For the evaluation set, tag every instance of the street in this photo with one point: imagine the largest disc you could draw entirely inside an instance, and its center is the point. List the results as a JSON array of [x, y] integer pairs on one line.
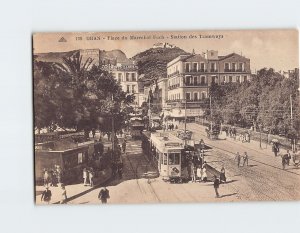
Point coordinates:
[[262, 180]]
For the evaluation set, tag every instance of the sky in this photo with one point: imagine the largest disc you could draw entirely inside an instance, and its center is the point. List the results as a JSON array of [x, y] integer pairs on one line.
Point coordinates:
[[278, 49]]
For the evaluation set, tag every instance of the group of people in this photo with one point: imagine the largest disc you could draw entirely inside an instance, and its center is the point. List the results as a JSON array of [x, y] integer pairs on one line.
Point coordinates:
[[47, 195], [88, 177], [170, 127], [242, 159], [53, 176]]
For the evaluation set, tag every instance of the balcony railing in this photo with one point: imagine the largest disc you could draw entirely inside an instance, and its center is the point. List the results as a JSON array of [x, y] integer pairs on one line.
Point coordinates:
[[234, 70], [194, 84], [213, 70], [196, 71], [173, 74], [174, 86], [182, 101]]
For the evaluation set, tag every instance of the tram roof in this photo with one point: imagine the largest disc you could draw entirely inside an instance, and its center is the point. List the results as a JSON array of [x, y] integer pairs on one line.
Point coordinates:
[[165, 140]]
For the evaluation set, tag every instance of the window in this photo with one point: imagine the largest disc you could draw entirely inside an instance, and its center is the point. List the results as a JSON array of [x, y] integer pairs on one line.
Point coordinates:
[[233, 66], [133, 88], [241, 66], [80, 158], [195, 80], [188, 80], [119, 77], [203, 95], [195, 67], [202, 67], [237, 79], [195, 95], [128, 88], [165, 158], [187, 67], [230, 79], [213, 79], [188, 96], [202, 80], [226, 66], [212, 67], [245, 78], [133, 77], [127, 77], [174, 159], [224, 79]]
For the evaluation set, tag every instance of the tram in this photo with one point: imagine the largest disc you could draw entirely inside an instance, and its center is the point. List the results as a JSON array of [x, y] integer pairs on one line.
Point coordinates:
[[167, 153], [136, 126]]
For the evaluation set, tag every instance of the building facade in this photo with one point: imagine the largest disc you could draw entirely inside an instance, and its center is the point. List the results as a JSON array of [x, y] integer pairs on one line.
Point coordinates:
[[126, 75], [190, 76]]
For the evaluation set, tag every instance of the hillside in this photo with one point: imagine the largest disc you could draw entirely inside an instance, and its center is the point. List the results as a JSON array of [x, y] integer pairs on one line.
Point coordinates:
[[153, 62]]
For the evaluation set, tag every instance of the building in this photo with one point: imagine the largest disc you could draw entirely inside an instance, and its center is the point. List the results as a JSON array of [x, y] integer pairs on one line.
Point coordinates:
[[126, 74], [190, 76]]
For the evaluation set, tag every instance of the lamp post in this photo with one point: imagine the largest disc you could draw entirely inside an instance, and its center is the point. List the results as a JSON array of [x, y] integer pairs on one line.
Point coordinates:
[[260, 126]]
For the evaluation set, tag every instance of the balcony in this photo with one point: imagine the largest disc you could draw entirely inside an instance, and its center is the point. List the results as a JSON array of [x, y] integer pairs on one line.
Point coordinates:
[[173, 74], [173, 86], [201, 84], [213, 70], [235, 70], [196, 71]]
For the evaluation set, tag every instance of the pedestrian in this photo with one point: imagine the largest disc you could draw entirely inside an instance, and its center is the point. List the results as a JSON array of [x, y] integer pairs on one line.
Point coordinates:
[[216, 186], [275, 148], [93, 132], [245, 158], [46, 195], [222, 175], [103, 195], [85, 176], [194, 172], [120, 170], [199, 173], [124, 146], [46, 177], [91, 177], [238, 158], [204, 174], [288, 157], [63, 194]]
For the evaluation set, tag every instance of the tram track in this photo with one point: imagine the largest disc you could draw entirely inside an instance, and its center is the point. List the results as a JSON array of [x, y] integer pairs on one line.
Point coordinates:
[[136, 176]]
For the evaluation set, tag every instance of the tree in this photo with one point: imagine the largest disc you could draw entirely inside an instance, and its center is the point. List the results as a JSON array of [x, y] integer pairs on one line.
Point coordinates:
[[83, 97]]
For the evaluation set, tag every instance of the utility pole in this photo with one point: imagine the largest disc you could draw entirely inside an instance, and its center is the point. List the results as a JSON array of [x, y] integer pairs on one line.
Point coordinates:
[[210, 113], [113, 131], [185, 122], [293, 141], [149, 112]]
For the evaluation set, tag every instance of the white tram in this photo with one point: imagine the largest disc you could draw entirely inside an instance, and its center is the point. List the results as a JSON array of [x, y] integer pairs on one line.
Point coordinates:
[[167, 151]]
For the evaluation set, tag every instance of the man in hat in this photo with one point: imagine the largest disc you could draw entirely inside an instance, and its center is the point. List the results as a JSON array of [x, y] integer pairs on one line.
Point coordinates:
[[238, 158], [46, 195], [103, 195], [216, 186]]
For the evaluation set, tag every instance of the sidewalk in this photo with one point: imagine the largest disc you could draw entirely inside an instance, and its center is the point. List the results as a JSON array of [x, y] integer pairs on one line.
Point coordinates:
[[264, 155], [73, 191]]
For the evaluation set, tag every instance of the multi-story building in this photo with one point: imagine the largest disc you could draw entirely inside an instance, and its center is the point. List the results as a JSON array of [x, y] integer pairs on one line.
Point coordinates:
[[126, 74], [190, 76]]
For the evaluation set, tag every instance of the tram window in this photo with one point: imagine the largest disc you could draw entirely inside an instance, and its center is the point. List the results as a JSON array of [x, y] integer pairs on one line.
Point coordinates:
[[165, 158], [174, 159]]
